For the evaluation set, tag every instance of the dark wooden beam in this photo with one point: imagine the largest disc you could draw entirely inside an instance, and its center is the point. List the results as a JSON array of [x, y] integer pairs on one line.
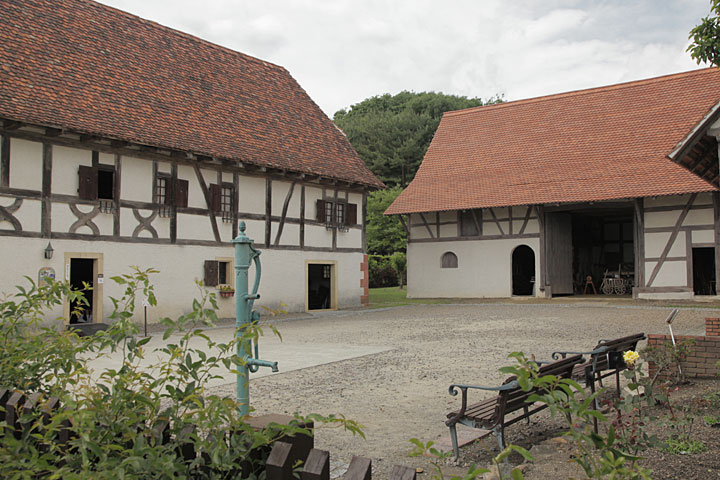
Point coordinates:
[[4, 161], [283, 215], [268, 211], [208, 201], [671, 240], [46, 206]]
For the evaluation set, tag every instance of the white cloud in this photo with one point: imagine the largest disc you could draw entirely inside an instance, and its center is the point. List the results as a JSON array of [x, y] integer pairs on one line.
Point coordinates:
[[343, 51]]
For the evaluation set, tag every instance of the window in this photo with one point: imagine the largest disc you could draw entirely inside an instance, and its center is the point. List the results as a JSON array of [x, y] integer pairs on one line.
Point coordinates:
[[98, 183], [221, 200], [471, 222], [218, 272], [449, 260], [226, 199], [162, 182], [105, 183], [337, 214]]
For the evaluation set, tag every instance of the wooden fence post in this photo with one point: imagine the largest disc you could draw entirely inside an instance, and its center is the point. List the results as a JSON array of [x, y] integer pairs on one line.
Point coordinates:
[[317, 466], [360, 469]]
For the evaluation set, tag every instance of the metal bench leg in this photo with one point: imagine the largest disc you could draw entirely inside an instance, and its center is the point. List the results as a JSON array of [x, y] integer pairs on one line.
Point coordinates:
[[527, 415], [617, 382], [454, 441], [500, 434]]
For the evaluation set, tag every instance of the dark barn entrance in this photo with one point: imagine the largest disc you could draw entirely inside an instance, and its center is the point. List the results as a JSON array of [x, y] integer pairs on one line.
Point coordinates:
[[703, 264], [590, 240], [523, 270]]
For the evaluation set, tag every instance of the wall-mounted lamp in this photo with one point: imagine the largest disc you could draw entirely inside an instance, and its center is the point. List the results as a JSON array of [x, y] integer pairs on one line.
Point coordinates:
[[49, 251]]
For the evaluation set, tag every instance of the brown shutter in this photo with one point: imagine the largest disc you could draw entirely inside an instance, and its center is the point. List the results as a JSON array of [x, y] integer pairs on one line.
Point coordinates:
[[215, 196], [87, 183], [181, 193], [321, 211], [351, 214], [211, 273]]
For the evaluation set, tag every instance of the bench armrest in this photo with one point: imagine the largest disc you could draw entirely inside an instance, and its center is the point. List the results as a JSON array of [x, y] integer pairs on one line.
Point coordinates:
[[453, 390], [597, 351]]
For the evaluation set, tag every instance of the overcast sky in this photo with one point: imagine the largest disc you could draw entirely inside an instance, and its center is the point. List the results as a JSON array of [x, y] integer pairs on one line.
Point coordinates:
[[343, 51]]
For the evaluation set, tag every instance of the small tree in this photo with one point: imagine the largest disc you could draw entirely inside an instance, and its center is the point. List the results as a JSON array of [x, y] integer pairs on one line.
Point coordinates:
[[705, 46], [399, 262]]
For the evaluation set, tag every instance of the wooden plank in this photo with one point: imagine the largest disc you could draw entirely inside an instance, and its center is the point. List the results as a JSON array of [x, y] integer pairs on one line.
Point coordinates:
[[526, 220], [283, 215], [676, 208], [475, 239], [335, 230], [173, 211], [688, 263], [559, 255], [437, 224], [208, 202], [478, 223], [5, 161], [268, 211], [279, 462], [510, 220], [46, 207], [302, 216], [400, 472], [317, 466], [671, 240], [360, 469], [684, 228], [427, 226], [116, 194], [236, 203], [497, 222], [639, 241]]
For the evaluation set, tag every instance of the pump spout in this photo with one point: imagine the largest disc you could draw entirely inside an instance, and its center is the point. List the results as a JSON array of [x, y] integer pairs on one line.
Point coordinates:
[[256, 362]]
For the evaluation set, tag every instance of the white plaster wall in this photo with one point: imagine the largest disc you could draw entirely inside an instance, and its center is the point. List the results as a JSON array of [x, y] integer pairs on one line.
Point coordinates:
[[671, 274], [703, 236], [283, 272], [252, 194], [279, 193], [448, 231], [699, 217], [703, 199], [128, 223], [350, 239], [317, 236], [661, 219], [105, 223], [29, 214], [25, 164], [164, 167], [194, 227], [312, 195], [255, 229], [655, 243], [66, 161], [484, 268], [533, 226], [224, 228], [137, 180], [290, 234]]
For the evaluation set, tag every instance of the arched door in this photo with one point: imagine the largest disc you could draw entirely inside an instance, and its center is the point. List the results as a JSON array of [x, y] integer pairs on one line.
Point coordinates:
[[523, 270]]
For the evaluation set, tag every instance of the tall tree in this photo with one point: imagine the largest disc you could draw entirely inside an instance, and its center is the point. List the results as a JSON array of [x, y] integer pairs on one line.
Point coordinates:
[[385, 235], [705, 46], [392, 132]]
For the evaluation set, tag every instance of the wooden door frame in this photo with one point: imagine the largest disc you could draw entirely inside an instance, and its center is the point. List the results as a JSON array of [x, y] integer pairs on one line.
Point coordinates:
[[97, 296]]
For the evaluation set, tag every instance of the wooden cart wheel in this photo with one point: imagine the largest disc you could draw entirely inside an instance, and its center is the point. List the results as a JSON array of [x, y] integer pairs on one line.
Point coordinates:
[[620, 287], [607, 287]]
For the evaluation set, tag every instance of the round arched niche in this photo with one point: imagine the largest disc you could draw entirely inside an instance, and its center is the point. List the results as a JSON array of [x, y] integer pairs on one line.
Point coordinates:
[[449, 260], [523, 270]]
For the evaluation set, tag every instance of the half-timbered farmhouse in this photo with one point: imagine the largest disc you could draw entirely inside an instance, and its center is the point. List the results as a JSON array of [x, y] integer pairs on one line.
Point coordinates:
[[124, 142], [612, 188]]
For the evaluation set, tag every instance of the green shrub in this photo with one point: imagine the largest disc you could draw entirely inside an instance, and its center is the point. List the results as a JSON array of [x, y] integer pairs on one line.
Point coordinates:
[[381, 272]]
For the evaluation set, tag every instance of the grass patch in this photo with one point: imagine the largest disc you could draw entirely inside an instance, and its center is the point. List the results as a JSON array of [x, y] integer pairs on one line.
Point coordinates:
[[684, 446], [395, 297]]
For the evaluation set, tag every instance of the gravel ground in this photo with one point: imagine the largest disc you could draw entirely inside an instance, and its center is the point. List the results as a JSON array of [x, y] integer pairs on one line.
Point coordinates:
[[402, 393]]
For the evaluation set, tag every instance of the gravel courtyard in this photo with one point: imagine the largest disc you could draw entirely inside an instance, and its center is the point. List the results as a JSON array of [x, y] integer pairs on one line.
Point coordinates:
[[401, 392]]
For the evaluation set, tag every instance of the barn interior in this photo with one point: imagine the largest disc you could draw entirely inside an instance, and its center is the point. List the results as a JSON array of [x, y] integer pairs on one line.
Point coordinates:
[[603, 248]]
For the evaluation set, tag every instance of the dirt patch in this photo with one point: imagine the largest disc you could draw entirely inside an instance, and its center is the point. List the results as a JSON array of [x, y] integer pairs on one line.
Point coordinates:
[[402, 393]]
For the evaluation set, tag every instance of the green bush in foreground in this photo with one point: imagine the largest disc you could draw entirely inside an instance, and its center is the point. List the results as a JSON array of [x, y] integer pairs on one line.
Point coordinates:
[[113, 420]]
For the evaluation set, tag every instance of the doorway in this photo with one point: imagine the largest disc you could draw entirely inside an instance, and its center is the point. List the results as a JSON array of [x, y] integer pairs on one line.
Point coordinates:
[[523, 270], [81, 278], [321, 286], [703, 263], [84, 269]]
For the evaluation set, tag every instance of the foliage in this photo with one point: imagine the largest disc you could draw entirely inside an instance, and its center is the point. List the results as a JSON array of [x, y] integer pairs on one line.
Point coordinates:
[[391, 133], [395, 297], [705, 46], [667, 358], [684, 446], [439, 457], [385, 234], [381, 271], [115, 419], [712, 420], [399, 263], [600, 456]]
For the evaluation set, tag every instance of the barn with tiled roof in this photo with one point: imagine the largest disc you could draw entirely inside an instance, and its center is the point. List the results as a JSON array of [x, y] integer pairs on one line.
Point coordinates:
[[612, 188], [125, 142]]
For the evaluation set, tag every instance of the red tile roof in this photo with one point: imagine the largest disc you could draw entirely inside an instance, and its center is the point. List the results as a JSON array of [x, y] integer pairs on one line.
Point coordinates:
[[89, 68], [590, 145]]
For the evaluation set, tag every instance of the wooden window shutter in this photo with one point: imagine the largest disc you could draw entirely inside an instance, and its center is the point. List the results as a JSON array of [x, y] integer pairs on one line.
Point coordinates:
[[87, 183], [211, 273], [181, 193], [321, 211], [215, 197], [351, 214]]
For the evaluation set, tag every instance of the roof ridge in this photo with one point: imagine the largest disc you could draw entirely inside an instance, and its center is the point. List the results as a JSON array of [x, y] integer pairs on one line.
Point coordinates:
[[584, 91], [180, 33]]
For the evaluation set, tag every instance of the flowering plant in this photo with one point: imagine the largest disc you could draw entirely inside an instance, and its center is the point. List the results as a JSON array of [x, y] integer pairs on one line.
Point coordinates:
[[630, 358]]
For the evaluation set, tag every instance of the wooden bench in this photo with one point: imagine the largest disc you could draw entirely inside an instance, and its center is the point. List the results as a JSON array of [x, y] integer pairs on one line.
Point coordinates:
[[493, 413], [604, 360]]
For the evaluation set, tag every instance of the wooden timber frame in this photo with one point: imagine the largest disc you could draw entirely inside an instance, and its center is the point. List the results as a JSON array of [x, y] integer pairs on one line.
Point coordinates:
[[49, 137]]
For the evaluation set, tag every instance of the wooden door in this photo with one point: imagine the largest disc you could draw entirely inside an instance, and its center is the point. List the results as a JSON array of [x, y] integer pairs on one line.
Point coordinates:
[[559, 254]]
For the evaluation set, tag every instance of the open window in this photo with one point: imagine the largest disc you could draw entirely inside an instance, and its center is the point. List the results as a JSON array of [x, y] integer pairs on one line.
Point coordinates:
[[165, 190], [221, 200], [98, 183], [219, 272]]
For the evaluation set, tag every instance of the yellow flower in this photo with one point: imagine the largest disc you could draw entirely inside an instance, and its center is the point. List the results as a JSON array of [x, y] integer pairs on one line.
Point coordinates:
[[630, 358]]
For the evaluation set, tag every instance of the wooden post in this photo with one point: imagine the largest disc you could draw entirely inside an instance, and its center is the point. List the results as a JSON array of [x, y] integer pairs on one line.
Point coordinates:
[[360, 469], [279, 462], [317, 466]]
